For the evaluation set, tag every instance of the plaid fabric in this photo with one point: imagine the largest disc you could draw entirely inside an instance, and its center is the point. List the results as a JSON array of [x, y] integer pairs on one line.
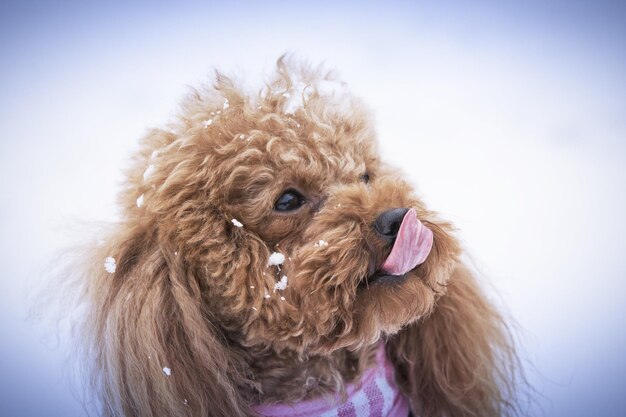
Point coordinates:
[[377, 395]]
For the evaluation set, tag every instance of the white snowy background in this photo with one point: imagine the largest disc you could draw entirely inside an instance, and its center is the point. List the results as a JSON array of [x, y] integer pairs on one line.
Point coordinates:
[[510, 118]]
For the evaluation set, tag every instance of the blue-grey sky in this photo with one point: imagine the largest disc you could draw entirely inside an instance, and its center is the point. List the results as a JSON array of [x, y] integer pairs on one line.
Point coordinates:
[[516, 112]]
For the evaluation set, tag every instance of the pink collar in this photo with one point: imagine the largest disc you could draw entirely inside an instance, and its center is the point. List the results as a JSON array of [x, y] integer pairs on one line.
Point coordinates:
[[377, 394]]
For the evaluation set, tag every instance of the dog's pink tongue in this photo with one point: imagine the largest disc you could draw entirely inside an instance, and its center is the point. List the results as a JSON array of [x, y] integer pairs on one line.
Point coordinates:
[[411, 247]]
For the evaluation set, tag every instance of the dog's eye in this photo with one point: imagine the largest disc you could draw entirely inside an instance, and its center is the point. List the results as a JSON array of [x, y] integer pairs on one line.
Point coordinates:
[[288, 201], [365, 178]]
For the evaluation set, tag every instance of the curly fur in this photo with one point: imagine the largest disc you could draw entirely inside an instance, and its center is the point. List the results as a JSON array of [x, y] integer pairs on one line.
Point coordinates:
[[193, 292]]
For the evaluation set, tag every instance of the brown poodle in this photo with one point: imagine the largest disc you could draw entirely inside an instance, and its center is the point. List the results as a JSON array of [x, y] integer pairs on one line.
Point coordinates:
[[268, 263]]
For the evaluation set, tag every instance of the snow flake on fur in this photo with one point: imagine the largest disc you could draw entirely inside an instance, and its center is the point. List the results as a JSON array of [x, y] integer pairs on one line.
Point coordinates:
[[148, 172], [276, 258], [109, 265], [282, 284]]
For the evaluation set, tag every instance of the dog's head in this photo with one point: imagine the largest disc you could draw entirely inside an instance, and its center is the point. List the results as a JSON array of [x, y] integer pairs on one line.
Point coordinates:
[[281, 208], [266, 226]]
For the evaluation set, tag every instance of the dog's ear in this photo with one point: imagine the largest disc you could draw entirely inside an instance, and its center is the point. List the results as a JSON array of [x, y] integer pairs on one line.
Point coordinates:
[[459, 361], [151, 341]]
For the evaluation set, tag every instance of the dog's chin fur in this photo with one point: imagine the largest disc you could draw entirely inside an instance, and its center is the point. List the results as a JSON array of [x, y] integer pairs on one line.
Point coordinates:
[[193, 292]]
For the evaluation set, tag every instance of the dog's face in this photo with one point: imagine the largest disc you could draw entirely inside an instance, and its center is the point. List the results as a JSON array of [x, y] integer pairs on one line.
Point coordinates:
[[275, 213]]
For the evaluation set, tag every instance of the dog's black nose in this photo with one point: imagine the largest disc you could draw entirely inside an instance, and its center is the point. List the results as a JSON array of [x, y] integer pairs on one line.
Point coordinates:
[[388, 223]]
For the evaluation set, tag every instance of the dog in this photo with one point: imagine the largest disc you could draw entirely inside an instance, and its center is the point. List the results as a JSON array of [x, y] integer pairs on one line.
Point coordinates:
[[267, 262]]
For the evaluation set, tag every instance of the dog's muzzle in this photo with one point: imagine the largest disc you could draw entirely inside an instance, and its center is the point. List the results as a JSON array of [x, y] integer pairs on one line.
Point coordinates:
[[411, 240]]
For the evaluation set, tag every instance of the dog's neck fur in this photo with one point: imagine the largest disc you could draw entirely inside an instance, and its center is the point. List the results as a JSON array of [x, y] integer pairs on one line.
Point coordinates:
[[286, 378]]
